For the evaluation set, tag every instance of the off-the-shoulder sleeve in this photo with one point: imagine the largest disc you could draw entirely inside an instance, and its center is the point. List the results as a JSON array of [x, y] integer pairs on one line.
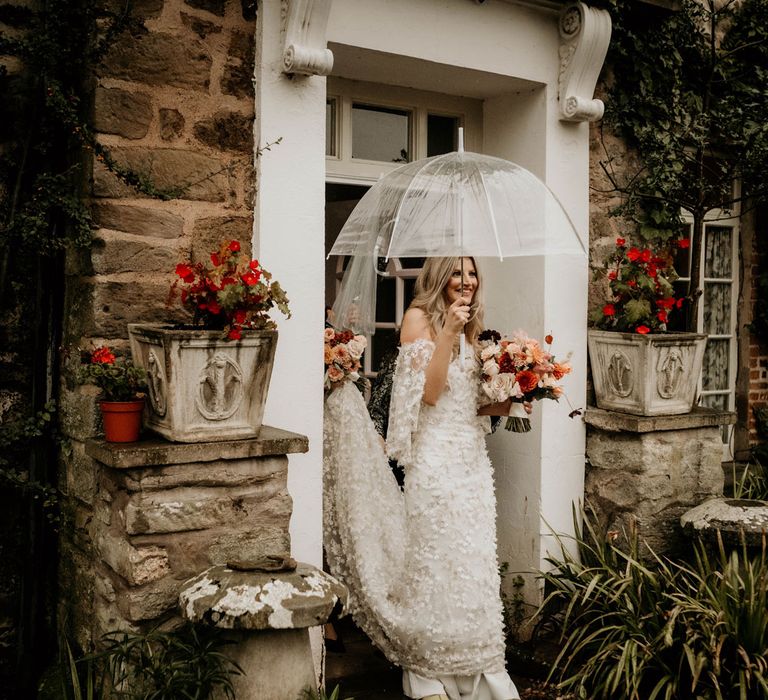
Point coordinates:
[[407, 394]]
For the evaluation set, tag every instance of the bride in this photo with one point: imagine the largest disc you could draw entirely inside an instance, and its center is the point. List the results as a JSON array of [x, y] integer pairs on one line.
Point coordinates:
[[421, 564]]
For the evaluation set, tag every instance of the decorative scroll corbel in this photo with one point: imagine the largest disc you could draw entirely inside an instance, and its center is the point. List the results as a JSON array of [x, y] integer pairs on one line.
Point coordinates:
[[584, 37], [305, 50]]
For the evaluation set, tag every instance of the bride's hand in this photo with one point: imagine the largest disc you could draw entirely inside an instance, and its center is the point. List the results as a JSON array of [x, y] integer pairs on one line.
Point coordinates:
[[456, 317]]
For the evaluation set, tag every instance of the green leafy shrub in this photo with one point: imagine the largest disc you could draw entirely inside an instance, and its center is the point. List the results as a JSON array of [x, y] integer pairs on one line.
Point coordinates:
[[184, 664], [667, 630]]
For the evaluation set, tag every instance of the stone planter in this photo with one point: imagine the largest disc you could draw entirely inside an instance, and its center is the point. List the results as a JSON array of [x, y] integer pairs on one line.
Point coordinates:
[[646, 375], [201, 387]]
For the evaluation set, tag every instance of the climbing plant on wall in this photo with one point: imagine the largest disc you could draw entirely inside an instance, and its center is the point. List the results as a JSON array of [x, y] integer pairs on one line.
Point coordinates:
[[689, 94]]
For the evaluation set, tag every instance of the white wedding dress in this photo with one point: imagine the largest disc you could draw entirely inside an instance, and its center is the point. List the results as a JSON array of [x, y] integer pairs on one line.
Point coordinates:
[[421, 565]]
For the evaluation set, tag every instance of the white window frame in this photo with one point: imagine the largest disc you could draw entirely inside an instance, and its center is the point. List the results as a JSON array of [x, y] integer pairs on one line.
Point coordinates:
[[727, 219], [342, 168]]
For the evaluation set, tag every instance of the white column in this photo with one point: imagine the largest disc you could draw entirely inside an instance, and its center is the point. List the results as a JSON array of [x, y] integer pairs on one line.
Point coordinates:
[[289, 240]]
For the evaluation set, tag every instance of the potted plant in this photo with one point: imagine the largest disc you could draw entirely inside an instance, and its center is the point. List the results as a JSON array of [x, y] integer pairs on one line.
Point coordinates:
[[122, 387], [637, 366], [208, 380]]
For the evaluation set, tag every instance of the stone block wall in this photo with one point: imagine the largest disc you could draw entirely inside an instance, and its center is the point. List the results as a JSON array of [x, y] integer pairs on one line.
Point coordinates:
[[159, 514], [172, 101]]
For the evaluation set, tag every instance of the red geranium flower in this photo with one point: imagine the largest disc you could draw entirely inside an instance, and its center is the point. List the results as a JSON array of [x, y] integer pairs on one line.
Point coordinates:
[[632, 283], [240, 316], [679, 303], [234, 246], [250, 279], [684, 243], [633, 254], [213, 307], [215, 259], [254, 265], [620, 242], [185, 272], [103, 356], [643, 329], [645, 256], [662, 316], [612, 275], [609, 310], [234, 334]]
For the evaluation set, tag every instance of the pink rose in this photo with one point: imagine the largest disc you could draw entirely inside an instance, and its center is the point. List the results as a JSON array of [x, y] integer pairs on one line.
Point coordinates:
[[335, 374], [329, 334]]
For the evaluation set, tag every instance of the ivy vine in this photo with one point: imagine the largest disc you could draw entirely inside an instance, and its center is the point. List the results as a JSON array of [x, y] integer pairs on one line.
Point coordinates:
[[688, 94]]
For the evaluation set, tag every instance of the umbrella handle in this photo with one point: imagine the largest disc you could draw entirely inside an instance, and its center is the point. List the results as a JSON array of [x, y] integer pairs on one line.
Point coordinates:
[[462, 347]]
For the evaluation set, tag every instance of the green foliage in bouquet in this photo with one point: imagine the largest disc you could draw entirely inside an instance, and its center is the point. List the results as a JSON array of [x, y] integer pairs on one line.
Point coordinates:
[[119, 379], [642, 296]]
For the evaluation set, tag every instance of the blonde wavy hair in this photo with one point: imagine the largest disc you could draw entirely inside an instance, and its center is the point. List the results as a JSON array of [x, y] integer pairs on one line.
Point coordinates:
[[429, 295]]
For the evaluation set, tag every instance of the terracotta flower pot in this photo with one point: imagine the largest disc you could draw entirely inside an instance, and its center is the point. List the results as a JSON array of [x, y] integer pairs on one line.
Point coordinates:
[[122, 420]]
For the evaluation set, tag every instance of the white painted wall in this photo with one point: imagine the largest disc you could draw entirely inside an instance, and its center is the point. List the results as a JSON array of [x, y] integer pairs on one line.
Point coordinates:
[[506, 55], [289, 240]]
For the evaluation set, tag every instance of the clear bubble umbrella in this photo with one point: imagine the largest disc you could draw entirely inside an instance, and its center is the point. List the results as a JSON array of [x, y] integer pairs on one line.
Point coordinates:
[[457, 204]]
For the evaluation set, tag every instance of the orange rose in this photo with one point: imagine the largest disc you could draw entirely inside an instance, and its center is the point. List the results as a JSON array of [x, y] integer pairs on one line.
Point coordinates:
[[561, 370], [527, 380]]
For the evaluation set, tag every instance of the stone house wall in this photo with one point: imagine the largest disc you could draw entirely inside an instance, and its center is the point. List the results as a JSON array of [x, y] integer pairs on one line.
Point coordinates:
[[173, 102]]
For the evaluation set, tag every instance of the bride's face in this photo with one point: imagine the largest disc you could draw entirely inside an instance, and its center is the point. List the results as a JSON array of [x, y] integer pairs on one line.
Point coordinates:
[[453, 290]]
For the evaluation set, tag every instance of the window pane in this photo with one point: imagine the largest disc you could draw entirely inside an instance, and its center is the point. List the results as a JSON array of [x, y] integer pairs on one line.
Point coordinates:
[[718, 401], [442, 134], [412, 263], [714, 374], [379, 133], [717, 308], [717, 254], [409, 286], [385, 300], [330, 128]]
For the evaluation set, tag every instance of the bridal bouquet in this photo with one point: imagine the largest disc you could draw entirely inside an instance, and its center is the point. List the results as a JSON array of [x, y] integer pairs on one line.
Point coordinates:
[[521, 369], [341, 354]]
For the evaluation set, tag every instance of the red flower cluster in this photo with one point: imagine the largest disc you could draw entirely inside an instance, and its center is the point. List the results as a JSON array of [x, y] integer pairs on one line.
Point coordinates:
[[232, 295], [102, 356], [642, 295]]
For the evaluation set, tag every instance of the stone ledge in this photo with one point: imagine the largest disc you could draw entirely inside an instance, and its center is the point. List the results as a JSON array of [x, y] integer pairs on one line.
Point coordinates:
[[157, 452], [616, 422]]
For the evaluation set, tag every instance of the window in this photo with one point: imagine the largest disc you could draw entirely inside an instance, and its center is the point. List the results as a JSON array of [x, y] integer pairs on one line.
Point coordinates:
[[717, 312], [372, 129]]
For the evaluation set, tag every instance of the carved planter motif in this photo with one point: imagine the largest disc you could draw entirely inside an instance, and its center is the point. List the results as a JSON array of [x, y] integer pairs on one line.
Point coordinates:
[[646, 375], [201, 387]]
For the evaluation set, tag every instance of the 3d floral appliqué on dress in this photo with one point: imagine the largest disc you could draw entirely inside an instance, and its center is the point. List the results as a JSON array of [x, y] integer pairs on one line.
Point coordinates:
[[421, 564]]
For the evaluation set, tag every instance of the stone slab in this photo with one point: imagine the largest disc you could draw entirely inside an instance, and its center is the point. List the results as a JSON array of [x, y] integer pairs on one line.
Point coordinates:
[[733, 518], [258, 600], [156, 451], [698, 418]]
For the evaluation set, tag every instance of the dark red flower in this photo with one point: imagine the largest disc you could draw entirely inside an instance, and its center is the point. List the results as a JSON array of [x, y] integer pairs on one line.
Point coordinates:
[[652, 271], [643, 330], [632, 283], [609, 310], [185, 272], [234, 246], [612, 275], [234, 334], [645, 255], [620, 242], [662, 316], [679, 303], [506, 365], [684, 243], [548, 339], [215, 259], [527, 380], [633, 254], [240, 316], [227, 281], [213, 307]]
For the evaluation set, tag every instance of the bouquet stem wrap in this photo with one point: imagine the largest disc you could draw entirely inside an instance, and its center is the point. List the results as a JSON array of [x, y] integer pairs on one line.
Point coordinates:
[[518, 421]]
